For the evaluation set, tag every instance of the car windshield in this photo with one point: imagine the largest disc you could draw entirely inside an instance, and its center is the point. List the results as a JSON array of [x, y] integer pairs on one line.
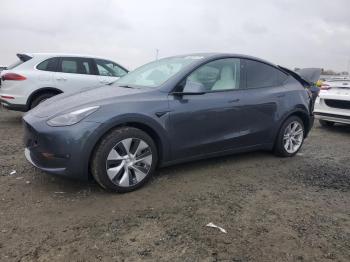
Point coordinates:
[[156, 73]]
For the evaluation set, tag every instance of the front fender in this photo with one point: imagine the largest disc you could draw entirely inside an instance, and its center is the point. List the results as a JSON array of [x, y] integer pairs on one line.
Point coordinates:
[[159, 128]]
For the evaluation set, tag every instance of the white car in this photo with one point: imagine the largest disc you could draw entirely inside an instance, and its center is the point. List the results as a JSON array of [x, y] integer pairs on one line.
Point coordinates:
[[36, 77], [333, 103]]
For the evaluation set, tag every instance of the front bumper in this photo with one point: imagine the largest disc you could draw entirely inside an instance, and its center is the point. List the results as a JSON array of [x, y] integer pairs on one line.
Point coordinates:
[[333, 117], [324, 112], [29, 156], [63, 151]]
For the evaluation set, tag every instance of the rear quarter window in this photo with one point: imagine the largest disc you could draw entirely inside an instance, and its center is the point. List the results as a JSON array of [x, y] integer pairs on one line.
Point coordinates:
[[259, 74], [48, 65], [281, 77]]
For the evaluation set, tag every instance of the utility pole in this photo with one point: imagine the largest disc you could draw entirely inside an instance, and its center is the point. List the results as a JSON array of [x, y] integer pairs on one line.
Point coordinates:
[[157, 53]]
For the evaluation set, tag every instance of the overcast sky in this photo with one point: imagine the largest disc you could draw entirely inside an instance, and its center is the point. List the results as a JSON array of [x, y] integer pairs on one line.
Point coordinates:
[[293, 33]]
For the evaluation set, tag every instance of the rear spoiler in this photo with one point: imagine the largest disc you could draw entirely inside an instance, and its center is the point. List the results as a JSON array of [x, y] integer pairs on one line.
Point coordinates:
[[24, 57], [306, 76]]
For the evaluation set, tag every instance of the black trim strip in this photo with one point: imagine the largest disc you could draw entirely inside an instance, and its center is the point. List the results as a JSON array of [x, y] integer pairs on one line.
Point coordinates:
[[331, 115], [15, 107]]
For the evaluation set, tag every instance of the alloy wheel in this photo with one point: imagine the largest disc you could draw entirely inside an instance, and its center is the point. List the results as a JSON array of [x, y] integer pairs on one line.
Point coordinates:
[[293, 137], [129, 162]]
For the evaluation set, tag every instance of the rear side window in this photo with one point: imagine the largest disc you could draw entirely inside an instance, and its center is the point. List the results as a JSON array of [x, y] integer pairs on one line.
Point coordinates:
[[48, 65], [262, 75], [109, 68], [75, 65]]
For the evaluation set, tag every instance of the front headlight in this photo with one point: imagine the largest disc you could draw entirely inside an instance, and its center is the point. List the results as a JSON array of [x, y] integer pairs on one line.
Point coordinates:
[[72, 118]]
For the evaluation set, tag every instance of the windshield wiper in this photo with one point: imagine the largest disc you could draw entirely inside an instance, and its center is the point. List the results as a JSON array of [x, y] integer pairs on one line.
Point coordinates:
[[126, 86], [111, 83]]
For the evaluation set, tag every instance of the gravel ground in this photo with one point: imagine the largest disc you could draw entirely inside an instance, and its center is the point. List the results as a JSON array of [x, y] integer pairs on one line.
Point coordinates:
[[274, 209]]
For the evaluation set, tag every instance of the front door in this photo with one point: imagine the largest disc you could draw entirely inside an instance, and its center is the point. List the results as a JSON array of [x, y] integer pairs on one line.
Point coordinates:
[[75, 74], [208, 121]]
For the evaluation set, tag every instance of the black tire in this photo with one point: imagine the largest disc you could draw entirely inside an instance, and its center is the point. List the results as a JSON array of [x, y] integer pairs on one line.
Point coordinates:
[[104, 147], [325, 123], [40, 98], [279, 148]]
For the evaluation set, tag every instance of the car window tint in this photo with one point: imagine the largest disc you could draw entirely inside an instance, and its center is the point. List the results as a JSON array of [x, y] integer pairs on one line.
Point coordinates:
[[222, 74], [48, 65], [259, 74], [281, 77], [108, 68], [86, 69], [76, 65], [69, 66]]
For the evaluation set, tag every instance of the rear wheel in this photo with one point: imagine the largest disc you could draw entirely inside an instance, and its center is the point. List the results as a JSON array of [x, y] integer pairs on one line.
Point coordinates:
[[40, 98], [124, 160], [326, 123], [290, 137]]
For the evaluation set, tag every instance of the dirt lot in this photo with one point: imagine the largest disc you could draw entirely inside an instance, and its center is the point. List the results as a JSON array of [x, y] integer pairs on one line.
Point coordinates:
[[274, 209]]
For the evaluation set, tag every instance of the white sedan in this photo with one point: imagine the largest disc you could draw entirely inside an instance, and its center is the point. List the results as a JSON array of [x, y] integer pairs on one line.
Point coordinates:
[[333, 103]]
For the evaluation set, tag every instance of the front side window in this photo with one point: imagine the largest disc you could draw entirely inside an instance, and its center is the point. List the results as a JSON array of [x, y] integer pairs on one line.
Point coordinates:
[[75, 65], [262, 75], [222, 74], [109, 68], [48, 65], [158, 72]]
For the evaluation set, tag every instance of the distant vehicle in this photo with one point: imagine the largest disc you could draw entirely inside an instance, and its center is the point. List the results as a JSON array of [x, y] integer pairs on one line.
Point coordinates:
[[333, 104], [36, 77], [171, 110], [2, 68]]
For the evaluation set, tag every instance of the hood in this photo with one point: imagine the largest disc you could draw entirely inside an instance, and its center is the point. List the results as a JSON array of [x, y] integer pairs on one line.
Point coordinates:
[[67, 102], [311, 75]]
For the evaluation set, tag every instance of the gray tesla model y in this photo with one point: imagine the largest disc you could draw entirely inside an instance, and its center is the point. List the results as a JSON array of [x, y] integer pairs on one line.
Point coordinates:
[[168, 111]]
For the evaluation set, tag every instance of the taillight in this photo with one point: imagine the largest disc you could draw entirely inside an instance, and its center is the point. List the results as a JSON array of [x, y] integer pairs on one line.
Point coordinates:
[[13, 76], [7, 97], [325, 87]]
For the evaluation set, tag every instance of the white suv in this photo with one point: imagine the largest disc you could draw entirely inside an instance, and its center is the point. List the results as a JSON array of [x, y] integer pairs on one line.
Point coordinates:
[[333, 104], [38, 76]]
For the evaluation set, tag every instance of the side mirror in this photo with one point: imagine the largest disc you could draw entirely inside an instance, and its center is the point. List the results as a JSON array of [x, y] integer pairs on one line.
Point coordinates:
[[191, 88]]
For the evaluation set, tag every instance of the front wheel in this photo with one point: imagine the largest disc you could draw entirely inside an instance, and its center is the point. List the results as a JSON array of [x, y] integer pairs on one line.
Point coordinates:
[[290, 137], [124, 160]]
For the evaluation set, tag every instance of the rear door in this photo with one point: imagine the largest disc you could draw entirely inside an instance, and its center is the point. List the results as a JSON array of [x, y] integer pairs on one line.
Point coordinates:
[[108, 71], [46, 71], [76, 73], [265, 98]]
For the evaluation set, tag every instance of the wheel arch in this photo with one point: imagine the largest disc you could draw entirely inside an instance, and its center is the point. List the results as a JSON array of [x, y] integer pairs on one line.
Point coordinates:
[[146, 125], [300, 112], [41, 91]]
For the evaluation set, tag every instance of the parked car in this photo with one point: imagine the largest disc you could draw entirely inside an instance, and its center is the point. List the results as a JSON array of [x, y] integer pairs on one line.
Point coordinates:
[[2, 68], [333, 104], [169, 111], [38, 76]]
